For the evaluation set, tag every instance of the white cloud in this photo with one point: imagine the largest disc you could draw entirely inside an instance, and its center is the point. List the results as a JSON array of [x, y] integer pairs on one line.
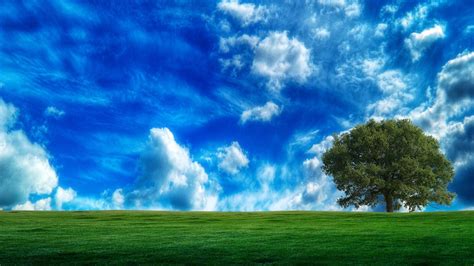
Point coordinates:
[[280, 58], [262, 113], [225, 44], [246, 13], [394, 85], [352, 10], [64, 196], [414, 16], [40, 205], [391, 81], [311, 189], [232, 158], [321, 147], [118, 198], [8, 114], [265, 176], [321, 33], [417, 43], [170, 179], [380, 29], [334, 3], [53, 112], [389, 9], [24, 166]]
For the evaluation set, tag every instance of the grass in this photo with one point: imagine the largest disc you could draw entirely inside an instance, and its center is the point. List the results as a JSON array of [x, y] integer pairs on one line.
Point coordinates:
[[121, 237]]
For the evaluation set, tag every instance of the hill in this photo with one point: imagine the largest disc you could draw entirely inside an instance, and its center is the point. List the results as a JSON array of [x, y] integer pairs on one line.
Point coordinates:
[[231, 238]]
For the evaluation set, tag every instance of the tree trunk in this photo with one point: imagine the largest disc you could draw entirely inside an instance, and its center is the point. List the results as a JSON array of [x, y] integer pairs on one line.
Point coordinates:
[[389, 202]]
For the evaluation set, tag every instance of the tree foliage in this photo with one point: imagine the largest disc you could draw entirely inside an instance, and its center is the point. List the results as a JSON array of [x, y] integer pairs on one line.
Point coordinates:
[[390, 161]]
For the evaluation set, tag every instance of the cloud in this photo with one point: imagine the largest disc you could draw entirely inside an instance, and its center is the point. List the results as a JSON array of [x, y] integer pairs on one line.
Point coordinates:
[[392, 83], [8, 114], [454, 95], [24, 166], [235, 51], [245, 13], [54, 112], [321, 33], [334, 3], [279, 59], [380, 29], [63, 196], [225, 44], [39, 205], [232, 158], [352, 9], [169, 178], [286, 187], [459, 146], [265, 176], [262, 113], [417, 43], [118, 198], [456, 80]]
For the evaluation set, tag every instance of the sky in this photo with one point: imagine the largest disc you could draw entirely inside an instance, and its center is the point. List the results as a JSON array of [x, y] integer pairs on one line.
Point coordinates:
[[220, 105]]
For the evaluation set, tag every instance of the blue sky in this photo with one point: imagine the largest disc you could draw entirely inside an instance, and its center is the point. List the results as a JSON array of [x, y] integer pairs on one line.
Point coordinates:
[[227, 105]]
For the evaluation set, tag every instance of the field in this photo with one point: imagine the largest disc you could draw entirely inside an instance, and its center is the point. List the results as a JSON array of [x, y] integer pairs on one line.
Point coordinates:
[[120, 237]]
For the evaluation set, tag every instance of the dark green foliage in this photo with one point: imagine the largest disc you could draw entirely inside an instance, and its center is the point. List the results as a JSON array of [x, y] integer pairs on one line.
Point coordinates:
[[391, 161], [147, 237]]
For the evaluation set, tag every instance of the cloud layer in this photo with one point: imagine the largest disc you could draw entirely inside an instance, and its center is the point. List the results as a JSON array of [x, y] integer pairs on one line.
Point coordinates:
[[241, 98]]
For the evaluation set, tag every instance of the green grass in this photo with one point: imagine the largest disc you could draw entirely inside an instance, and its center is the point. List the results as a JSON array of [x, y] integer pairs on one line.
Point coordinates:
[[120, 237]]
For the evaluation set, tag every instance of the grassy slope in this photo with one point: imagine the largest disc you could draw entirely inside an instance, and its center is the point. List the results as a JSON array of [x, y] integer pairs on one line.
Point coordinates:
[[223, 238]]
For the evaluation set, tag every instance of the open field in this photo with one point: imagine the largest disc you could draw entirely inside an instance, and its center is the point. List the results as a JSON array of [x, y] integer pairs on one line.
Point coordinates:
[[230, 238]]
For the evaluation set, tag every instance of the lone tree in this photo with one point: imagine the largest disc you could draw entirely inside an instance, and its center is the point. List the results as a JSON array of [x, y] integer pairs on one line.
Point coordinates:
[[391, 161]]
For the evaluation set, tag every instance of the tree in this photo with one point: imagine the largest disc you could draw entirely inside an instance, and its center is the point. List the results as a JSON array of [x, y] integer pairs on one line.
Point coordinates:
[[391, 161]]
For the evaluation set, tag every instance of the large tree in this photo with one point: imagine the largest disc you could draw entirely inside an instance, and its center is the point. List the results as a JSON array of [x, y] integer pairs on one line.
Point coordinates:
[[391, 161]]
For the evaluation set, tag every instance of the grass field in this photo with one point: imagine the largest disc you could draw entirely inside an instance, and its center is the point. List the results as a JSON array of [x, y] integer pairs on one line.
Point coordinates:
[[120, 237]]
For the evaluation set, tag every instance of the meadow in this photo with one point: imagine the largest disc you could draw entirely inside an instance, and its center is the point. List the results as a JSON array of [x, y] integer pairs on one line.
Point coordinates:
[[120, 237]]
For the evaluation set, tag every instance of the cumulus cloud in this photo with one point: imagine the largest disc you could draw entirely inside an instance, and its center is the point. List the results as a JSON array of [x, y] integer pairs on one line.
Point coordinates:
[[169, 178], [454, 95], [54, 112], [118, 198], [39, 205], [418, 42], [24, 166], [245, 13], [63, 196], [262, 113], [456, 81], [459, 145], [232, 158], [279, 58]]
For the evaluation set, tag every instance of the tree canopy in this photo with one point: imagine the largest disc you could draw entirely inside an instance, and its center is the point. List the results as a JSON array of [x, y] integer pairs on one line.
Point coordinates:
[[391, 162]]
